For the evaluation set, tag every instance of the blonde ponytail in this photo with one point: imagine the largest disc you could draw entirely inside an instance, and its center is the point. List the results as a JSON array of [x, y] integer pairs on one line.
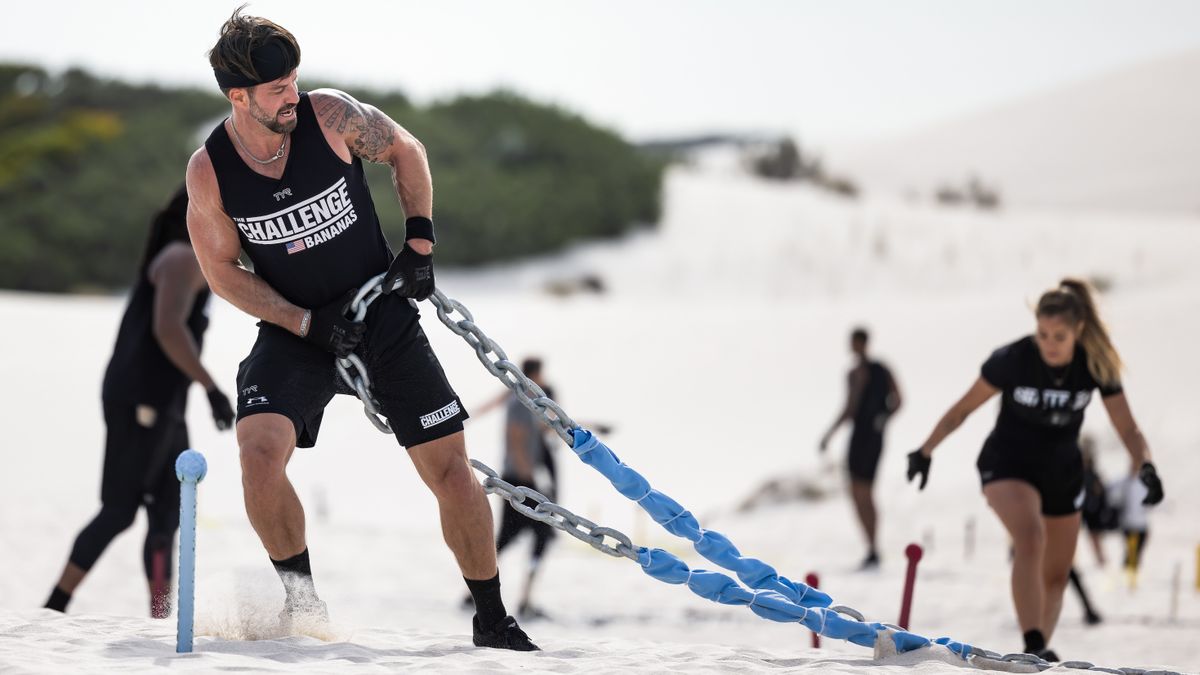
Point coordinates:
[[1073, 299]]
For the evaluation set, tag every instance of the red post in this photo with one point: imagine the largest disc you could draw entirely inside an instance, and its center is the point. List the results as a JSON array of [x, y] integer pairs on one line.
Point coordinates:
[[913, 553], [812, 580]]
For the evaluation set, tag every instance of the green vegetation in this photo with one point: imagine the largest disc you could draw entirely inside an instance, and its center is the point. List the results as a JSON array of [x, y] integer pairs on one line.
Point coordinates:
[[85, 162]]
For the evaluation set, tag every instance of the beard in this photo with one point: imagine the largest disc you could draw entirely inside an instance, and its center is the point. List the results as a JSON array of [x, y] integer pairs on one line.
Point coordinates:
[[272, 122]]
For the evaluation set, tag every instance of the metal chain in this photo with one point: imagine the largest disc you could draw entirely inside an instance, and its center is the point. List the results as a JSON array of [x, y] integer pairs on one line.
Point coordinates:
[[528, 392], [351, 369], [354, 373], [558, 517]]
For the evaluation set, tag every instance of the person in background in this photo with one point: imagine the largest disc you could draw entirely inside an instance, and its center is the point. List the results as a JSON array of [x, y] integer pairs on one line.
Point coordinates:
[[1031, 467], [872, 398], [1099, 516], [155, 360], [1128, 497], [528, 462]]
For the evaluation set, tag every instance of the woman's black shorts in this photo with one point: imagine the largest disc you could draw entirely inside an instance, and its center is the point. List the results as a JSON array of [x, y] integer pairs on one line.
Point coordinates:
[[1056, 473], [286, 375], [866, 447]]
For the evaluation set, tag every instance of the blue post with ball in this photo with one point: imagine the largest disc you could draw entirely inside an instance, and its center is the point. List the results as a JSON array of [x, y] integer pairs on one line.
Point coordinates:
[[189, 469]]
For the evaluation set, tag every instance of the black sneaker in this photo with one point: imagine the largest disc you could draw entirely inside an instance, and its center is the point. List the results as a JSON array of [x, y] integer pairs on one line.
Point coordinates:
[[871, 562], [1047, 654], [1092, 618], [506, 634]]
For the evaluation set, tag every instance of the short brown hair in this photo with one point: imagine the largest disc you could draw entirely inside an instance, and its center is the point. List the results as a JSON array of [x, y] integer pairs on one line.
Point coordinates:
[[241, 35]]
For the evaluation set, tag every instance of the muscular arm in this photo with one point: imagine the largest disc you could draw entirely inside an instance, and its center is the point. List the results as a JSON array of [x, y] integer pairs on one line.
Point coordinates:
[[177, 280], [368, 133], [958, 413], [1122, 420], [215, 240]]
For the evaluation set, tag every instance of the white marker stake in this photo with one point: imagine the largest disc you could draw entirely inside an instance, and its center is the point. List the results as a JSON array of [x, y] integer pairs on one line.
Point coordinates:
[[189, 469]]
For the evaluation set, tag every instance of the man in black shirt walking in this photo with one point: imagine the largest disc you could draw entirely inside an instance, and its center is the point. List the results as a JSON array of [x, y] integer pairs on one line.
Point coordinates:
[[282, 180], [872, 398]]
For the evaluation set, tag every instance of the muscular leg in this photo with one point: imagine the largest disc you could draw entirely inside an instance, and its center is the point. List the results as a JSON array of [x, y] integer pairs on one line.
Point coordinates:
[[267, 441], [1062, 532], [864, 505], [1019, 507], [462, 503]]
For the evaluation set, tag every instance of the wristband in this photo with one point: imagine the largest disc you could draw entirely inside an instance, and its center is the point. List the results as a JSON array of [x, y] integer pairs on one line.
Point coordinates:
[[419, 227], [304, 322]]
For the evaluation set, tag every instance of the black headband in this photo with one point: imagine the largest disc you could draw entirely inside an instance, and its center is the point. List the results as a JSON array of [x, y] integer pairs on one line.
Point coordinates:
[[270, 60]]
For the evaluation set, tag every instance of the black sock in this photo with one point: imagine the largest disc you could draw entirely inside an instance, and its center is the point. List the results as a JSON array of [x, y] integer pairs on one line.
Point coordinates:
[[488, 605], [296, 575], [1034, 641], [58, 600]]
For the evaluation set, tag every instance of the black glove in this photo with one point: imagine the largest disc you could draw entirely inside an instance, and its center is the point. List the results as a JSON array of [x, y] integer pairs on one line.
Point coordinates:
[[1149, 477], [410, 275], [918, 464], [222, 412], [332, 330]]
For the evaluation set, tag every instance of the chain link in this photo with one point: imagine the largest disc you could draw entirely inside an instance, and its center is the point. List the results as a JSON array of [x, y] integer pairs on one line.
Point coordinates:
[[351, 369], [527, 391], [556, 516], [354, 373]]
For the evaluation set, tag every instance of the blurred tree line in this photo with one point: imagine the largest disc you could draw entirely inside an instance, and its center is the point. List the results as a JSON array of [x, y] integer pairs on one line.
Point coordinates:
[[85, 162]]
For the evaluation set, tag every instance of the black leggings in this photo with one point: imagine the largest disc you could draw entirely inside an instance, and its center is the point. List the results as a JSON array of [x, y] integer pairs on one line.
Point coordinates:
[[513, 523], [113, 520], [139, 470]]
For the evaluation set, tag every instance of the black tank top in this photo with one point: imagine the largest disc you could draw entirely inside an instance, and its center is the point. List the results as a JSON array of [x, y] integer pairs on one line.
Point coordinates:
[[1041, 407], [874, 400], [312, 234], [139, 372]]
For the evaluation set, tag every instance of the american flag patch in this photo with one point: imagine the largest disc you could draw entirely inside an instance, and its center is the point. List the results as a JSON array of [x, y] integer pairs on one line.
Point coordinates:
[[295, 246]]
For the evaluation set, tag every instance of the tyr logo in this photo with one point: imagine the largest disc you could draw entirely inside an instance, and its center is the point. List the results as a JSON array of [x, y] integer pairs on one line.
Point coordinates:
[[285, 192]]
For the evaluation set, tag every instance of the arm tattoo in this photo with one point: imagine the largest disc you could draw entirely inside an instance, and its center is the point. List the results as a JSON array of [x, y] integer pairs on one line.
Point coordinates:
[[373, 131]]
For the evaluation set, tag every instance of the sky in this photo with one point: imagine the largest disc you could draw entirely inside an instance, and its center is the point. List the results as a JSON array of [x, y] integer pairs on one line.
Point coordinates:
[[843, 71]]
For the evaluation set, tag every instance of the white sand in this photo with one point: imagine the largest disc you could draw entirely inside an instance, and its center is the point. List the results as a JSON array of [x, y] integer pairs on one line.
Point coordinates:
[[1123, 140], [719, 354]]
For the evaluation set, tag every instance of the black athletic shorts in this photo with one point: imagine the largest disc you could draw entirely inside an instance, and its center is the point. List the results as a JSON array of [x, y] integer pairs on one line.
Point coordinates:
[[286, 375], [1056, 473], [866, 446], [140, 454]]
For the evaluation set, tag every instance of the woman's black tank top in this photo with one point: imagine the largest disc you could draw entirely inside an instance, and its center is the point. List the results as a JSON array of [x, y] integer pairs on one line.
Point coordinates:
[[312, 234], [139, 372]]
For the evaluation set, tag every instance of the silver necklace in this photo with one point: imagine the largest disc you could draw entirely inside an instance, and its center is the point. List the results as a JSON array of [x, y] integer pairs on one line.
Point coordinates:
[[238, 137]]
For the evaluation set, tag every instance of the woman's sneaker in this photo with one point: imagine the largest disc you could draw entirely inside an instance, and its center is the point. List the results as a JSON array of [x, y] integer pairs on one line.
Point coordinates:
[[506, 634], [1047, 654]]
